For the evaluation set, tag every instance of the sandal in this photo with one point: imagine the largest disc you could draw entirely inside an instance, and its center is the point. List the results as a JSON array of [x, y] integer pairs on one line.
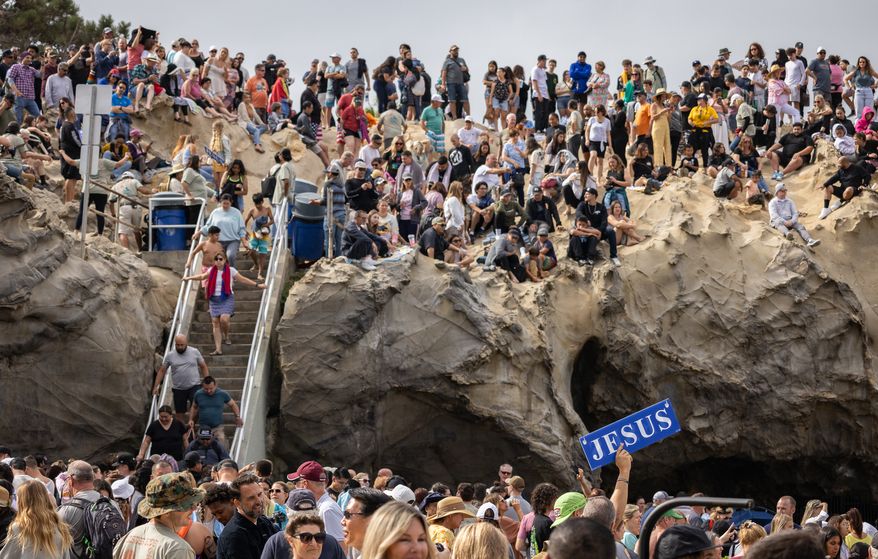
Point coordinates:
[[228, 341], [216, 352]]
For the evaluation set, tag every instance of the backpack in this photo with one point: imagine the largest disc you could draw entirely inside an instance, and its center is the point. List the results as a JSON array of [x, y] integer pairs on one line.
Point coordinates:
[[269, 183], [104, 526]]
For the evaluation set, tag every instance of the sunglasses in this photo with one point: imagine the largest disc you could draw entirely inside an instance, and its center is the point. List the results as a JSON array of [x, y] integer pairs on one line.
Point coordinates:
[[348, 514], [275, 490], [219, 259], [505, 473], [308, 537]]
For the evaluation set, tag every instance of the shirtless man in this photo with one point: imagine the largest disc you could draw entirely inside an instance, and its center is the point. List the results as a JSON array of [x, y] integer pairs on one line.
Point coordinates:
[[260, 236], [209, 248]]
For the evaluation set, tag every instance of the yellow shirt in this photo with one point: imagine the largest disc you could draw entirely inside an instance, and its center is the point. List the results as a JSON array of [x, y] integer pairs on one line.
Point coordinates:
[[699, 116], [441, 534], [852, 539]]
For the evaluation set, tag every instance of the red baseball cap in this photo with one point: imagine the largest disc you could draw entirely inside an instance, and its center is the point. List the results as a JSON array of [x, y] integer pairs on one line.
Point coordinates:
[[310, 470]]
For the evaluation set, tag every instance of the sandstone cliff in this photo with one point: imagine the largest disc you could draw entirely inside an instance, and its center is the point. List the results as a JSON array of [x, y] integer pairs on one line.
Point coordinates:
[[77, 338], [764, 347]]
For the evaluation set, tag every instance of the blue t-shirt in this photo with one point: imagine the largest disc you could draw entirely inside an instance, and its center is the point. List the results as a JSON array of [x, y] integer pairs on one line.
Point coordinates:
[[123, 101], [515, 155], [210, 408]]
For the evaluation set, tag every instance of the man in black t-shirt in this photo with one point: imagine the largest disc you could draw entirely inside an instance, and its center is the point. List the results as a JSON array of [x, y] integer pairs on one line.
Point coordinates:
[[596, 229], [461, 160], [433, 240], [689, 102], [852, 179], [792, 152]]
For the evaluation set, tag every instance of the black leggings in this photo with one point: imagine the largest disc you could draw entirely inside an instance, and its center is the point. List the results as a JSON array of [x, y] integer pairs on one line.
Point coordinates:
[[702, 139], [100, 203]]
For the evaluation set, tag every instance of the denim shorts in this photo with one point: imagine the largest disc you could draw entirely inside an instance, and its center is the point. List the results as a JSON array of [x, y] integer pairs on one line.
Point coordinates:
[[497, 104], [456, 92]]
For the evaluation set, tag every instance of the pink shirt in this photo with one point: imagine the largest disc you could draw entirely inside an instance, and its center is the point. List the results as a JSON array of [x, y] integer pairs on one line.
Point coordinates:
[[776, 93], [836, 77], [135, 56]]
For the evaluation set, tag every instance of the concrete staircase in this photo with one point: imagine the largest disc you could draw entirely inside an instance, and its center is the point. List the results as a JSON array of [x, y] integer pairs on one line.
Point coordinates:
[[229, 369]]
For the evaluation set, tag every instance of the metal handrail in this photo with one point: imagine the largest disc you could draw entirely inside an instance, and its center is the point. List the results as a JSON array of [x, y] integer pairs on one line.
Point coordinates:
[[176, 322], [259, 333], [656, 514]]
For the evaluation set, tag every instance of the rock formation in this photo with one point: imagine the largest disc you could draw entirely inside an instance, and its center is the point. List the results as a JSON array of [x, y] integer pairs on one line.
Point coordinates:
[[77, 337], [764, 347]]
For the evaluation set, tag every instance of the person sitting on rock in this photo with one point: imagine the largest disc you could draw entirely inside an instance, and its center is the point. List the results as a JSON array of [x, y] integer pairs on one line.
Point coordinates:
[[541, 211], [357, 243], [866, 152], [482, 206], [506, 252], [792, 152], [432, 242], [853, 180], [506, 210], [784, 216], [727, 184], [598, 229]]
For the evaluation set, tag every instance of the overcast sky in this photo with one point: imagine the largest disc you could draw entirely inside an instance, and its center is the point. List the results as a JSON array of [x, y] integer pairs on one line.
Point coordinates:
[[509, 32]]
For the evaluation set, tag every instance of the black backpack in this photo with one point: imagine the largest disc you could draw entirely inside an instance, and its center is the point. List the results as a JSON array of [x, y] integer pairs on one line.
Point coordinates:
[[269, 183], [104, 526]]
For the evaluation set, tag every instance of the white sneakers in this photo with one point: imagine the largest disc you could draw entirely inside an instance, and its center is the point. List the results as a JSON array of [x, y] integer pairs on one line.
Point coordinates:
[[824, 213], [367, 264], [813, 243], [835, 206], [616, 262]]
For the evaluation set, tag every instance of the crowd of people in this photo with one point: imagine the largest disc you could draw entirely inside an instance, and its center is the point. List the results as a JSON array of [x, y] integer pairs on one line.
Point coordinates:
[[591, 141], [205, 505]]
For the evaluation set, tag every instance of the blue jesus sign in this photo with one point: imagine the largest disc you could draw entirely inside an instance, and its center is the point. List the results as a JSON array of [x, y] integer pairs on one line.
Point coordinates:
[[636, 431]]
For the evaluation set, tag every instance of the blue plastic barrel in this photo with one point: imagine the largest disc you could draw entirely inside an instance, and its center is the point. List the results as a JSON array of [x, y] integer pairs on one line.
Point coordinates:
[[307, 239], [169, 239]]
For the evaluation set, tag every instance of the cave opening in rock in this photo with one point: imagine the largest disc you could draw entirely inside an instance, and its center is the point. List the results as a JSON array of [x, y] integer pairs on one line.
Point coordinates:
[[587, 369]]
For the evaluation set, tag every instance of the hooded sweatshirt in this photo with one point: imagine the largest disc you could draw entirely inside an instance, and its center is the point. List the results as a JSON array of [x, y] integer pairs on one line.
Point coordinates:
[[782, 210], [844, 143], [864, 121]]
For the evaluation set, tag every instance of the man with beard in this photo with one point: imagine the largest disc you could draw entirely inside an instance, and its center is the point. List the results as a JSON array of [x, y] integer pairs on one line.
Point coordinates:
[[247, 532], [791, 152], [187, 369]]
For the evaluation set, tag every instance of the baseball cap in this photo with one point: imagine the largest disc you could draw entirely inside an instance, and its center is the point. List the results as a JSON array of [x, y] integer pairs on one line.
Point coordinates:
[[108, 30], [505, 191], [581, 53], [592, 190], [310, 471], [660, 495], [125, 459], [360, 164], [821, 49], [436, 99], [674, 513], [702, 96], [680, 541], [402, 493], [467, 118], [135, 132], [800, 45], [335, 55], [406, 176], [542, 232], [696, 63], [192, 459], [488, 511], [566, 505], [779, 186], [205, 433], [302, 500]]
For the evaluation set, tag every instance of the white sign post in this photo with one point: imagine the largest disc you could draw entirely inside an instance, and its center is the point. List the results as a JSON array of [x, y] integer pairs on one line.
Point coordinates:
[[92, 101]]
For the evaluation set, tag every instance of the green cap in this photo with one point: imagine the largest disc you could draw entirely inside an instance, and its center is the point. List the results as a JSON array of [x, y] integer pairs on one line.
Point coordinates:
[[566, 505], [674, 513], [169, 493]]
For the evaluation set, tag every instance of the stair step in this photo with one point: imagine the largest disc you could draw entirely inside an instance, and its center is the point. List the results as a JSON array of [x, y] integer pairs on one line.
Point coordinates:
[[203, 338], [233, 349], [239, 328], [228, 384], [243, 316], [226, 360]]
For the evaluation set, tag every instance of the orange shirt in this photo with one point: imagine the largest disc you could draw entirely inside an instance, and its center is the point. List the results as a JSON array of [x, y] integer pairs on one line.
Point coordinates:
[[258, 89], [641, 120]]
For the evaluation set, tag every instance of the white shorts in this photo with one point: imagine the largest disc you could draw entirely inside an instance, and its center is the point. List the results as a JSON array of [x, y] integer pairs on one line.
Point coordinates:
[[795, 96], [128, 214]]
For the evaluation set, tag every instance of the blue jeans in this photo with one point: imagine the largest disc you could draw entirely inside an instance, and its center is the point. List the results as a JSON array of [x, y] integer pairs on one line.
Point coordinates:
[[256, 133], [22, 104], [338, 228], [118, 126], [117, 172], [231, 248], [285, 107]]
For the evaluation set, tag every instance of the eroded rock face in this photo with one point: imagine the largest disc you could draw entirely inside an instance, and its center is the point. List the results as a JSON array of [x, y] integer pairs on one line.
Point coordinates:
[[764, 347], [77, 338]]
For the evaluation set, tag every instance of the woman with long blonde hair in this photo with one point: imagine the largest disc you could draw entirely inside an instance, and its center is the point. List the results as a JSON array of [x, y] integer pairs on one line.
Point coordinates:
[[37, 532], [398, 531], [781, 522], [481, 540]]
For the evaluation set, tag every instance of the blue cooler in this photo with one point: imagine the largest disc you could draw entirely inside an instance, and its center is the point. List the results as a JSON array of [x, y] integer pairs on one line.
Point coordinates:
[[170, 239], [307, 239]]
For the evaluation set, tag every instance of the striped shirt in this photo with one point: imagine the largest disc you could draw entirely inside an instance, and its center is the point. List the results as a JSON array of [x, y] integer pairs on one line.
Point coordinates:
[[23, 77]]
